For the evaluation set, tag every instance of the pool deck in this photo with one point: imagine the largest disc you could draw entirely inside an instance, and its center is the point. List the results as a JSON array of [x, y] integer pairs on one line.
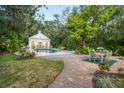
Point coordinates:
[[77, 73]]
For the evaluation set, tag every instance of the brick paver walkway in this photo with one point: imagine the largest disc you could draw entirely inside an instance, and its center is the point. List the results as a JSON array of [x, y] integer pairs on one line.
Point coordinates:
[[76, 73]]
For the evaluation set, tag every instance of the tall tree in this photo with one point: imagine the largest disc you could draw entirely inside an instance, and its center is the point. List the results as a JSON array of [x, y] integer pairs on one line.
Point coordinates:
[[17, 20], [85, 22]]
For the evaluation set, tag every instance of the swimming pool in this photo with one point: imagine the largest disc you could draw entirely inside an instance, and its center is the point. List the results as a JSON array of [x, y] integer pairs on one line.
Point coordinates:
[[57, 53], [47, 50]]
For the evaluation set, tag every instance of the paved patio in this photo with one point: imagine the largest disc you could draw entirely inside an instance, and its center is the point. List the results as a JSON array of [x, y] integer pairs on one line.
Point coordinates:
[[76, 73]]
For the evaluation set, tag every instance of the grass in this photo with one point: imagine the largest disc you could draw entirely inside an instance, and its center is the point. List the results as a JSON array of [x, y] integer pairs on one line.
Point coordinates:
[[110, 62], [27, 73]]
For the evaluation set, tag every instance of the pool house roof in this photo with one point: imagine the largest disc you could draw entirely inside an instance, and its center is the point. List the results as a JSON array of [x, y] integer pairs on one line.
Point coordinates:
[[39, 36]]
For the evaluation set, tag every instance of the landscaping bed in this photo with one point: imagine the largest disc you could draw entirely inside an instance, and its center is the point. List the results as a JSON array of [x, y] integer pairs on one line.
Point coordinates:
[[103, 79], [27, 72]]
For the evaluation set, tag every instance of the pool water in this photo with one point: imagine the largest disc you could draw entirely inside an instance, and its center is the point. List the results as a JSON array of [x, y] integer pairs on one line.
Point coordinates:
[[109, 61], [46, 50]]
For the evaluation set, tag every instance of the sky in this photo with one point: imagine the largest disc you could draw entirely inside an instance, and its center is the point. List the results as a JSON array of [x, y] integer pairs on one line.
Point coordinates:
[[54, 9]]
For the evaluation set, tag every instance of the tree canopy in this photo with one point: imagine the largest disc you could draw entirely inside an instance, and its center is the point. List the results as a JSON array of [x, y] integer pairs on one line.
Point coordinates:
[[76, 29]]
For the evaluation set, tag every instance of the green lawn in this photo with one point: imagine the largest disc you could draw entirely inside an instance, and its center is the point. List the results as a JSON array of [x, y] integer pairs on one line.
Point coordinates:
[[27, 73]]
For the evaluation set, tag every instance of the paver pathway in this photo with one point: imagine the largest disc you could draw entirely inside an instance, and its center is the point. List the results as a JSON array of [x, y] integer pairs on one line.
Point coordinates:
[[76, 73]]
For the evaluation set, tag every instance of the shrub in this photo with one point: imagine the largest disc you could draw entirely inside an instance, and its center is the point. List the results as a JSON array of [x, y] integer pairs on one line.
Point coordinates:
[[77, 51], [104, 82], [115, 52], [120, 81], [104, 66], [61, 47], [108, 80], [69, 43], [25, 54], [121, 51], [105, 51], [118, 51], [85, 49], [10, 42]]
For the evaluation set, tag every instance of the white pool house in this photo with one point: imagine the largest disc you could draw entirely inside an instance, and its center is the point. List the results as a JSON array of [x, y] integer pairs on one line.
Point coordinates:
[[38, 41]]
